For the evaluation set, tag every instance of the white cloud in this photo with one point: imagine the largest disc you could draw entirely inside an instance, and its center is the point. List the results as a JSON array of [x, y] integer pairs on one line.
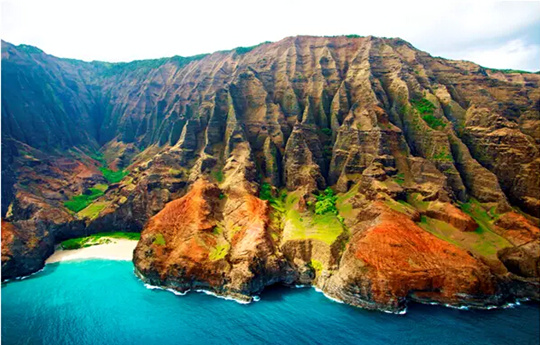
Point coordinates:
[[127, 30], [513, 54]]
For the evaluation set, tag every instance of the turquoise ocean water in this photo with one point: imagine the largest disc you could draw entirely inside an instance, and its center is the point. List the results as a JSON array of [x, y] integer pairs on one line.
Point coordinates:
[[102, 302]]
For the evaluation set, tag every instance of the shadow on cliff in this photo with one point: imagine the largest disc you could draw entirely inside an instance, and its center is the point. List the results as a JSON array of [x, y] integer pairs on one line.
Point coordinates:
[[277, 291], [46, 270]]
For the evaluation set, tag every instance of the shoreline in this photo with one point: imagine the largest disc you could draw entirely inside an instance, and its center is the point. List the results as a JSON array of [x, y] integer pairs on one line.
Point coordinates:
[[122, 250], [119, 249], [508, 305]]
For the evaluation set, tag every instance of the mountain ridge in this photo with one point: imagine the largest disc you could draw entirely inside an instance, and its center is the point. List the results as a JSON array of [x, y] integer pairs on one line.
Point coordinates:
[[504, 70]]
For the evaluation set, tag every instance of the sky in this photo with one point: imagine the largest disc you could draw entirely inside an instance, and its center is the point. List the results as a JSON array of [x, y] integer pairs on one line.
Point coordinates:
[[492, 34]]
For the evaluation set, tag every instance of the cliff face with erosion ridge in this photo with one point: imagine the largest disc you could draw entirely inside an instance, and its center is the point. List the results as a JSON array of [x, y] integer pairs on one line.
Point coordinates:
[[360, 165]]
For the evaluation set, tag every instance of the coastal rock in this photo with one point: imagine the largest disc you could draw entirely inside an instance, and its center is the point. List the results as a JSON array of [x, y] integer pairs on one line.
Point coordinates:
[[389, 259], [202, 242]]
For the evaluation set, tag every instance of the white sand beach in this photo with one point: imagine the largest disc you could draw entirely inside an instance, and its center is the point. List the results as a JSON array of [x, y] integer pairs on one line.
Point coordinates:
[[118, 249]]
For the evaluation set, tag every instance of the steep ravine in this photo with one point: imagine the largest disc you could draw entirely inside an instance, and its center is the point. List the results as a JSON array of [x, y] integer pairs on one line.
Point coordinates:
[[227, 158]]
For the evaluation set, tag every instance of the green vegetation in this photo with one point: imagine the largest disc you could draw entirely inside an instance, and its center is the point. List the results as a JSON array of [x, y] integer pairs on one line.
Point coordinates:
[[325, 227], [426, 108], [316, 265], [101, 186], [29, 49], [113, 176], [159, 240], [512, 71], [326, 202], [219, 252], [433, 121], [400, 206], [343, 203], [416, 200], [80, 202], [443, 156], [423, 106], [83, 203], [99, 238], [326, 131], [474, 209], [98, 157], [327, 152], [482, 242], [277, 203], [175, 172], [218, 175], [400, 178], [265, 192], [143, 66], [244, 50], [217, 229], [93, 210]]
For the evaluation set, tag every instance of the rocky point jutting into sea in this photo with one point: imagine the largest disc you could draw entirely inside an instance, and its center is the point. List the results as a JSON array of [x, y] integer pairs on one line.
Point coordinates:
[[359, 165]]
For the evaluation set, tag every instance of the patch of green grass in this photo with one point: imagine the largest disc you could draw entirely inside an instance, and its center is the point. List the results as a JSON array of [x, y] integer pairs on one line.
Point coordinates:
[[443, 156], [343, 202], [80, 202], [99, 238], [512, 71], [474, 209], [93, 210], [305, 225], [434, 122], [426, 109], [113, 176], [218, 175], [481, 242], [175, 172], [416, 200], [400, 206], [423, 106], [244, 50], [101, 187], [159, 240], [98, 157], [277, 202], [316, 265], [219, 252], [400, 178]]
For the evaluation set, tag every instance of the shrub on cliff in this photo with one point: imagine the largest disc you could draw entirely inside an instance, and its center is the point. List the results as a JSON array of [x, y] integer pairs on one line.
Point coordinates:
[[326, 202]]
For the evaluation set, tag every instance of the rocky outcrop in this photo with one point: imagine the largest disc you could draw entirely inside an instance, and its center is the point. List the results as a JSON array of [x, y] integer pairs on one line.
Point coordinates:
[[451, 215], [222, 162], [390, 259], [203, 242]]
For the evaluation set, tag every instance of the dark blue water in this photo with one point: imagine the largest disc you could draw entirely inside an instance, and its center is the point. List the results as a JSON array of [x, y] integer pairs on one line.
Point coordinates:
[[102, 302]]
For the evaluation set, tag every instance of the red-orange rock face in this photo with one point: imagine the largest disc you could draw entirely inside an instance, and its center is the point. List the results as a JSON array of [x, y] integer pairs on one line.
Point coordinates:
[[202, 242], [394, 259]]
